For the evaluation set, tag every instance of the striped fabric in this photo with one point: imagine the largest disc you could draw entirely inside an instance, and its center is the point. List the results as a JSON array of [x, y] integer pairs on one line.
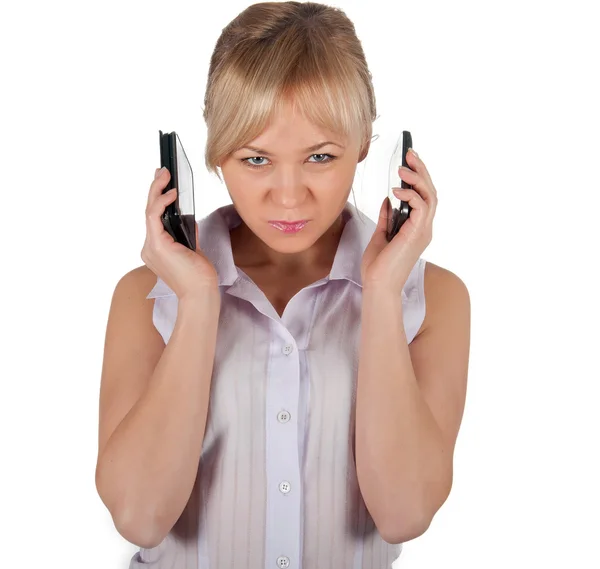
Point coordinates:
[[276, 484]]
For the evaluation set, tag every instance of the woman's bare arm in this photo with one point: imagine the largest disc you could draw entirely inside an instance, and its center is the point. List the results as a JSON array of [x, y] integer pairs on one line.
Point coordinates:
[[153, 407]]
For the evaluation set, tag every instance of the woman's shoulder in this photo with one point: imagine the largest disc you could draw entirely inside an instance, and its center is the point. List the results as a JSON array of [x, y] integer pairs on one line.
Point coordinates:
[[439, 280], [441, 288], [139, 281]]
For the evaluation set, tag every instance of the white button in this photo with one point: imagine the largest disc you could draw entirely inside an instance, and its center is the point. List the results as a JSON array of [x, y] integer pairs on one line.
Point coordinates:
[[288, 349], [283, 416], [285, 487], [283, 561]]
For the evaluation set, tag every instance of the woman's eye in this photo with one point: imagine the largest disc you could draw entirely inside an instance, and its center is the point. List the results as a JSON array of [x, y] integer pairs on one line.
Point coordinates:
[[247, 162], [323, 155], [254, 158]]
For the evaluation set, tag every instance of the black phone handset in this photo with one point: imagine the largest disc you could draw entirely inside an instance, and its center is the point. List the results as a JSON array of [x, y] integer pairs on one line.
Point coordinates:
[[179, 217], [400, 209]]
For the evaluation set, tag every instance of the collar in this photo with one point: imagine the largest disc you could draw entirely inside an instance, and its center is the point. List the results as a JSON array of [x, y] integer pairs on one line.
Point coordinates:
[[215, 241]]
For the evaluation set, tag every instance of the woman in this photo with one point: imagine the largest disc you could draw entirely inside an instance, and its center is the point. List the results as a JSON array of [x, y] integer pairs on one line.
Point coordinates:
[[283, 398]]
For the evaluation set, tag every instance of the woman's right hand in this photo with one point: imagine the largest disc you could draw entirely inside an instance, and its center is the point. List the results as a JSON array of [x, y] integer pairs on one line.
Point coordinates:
[[186, 272]]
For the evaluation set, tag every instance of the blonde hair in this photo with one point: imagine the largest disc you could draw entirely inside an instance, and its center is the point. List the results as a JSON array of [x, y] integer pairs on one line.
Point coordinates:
[[274, 53]]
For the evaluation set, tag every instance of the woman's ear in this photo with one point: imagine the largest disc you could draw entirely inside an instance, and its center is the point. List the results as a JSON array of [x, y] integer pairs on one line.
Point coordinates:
[[364, 151]]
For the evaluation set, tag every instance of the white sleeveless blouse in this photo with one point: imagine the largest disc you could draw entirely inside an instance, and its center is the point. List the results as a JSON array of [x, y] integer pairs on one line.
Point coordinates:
[[276, 485]]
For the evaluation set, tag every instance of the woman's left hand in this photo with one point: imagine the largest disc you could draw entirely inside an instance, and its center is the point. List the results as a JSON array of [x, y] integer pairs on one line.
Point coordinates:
[[390, 264]]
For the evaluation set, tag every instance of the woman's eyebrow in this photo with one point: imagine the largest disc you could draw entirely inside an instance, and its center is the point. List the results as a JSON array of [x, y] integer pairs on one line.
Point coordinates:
[[309, 149]]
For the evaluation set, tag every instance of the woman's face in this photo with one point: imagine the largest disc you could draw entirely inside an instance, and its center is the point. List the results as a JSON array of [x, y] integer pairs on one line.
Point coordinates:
[[291, 181]]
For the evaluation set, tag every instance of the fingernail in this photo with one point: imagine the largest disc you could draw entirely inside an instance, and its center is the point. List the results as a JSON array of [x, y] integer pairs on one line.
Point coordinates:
[[411, 150], [158, 172]]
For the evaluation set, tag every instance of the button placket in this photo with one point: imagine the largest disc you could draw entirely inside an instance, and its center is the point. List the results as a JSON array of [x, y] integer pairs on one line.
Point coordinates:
[[284, 378]]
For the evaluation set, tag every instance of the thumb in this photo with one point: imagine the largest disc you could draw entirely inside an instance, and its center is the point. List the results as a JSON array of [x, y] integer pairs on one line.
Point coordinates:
[[382, 222], [198, 250]]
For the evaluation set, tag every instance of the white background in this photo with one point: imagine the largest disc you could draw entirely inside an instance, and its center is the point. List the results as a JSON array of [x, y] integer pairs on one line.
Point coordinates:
[[502, 101]]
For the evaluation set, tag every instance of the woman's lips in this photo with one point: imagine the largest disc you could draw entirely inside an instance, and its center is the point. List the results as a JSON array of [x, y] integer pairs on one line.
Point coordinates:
[[288, 227]]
